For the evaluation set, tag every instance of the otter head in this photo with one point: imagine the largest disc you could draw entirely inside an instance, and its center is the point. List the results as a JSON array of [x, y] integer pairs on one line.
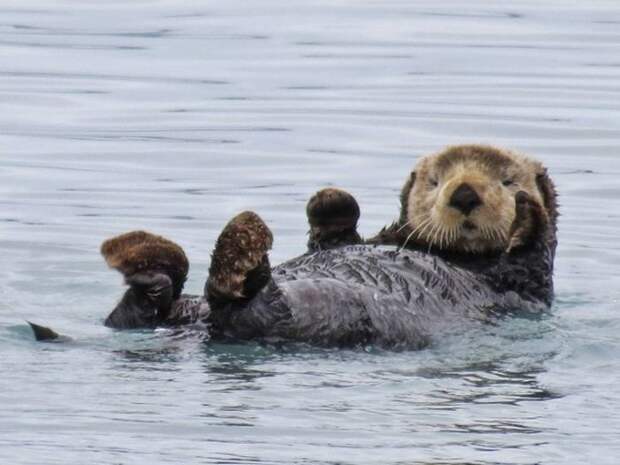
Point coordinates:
[[463, 198]]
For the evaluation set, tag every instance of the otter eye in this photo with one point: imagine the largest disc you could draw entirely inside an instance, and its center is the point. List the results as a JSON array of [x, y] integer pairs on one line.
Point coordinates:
[[508, 182], [433, 182]]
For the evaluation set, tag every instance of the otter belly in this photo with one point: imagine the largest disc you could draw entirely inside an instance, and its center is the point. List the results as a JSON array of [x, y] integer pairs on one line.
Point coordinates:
[[365, 295]]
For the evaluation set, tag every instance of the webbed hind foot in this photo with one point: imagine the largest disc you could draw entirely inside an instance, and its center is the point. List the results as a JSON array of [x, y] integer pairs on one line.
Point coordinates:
[[239, 264], [332, 215], [155, 269]]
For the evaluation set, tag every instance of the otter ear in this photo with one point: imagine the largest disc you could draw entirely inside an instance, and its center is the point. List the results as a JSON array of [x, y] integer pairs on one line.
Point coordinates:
[[547, 191], [404, 197]]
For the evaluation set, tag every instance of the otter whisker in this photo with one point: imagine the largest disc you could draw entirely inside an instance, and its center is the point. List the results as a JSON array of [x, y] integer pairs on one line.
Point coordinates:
[[499, 232], [492, 233], [444, 238], [422, 224], [418, 230], [406, 240], [424, 231], [403, 226], [433, 235], [488, 232], [430, 235], [455, 234]]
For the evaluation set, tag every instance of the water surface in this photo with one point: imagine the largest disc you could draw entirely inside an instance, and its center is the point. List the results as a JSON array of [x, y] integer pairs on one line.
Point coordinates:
[[174, 115]]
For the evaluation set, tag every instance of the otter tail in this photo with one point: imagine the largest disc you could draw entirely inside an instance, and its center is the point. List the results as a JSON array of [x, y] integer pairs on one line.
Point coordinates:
[[42, 333]]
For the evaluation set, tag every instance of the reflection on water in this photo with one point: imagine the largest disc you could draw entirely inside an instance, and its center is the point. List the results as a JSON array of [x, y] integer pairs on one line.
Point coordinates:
[[172, 116]]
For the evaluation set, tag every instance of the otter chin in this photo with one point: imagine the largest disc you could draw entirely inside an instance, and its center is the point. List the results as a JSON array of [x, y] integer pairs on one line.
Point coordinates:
[[462, 199]]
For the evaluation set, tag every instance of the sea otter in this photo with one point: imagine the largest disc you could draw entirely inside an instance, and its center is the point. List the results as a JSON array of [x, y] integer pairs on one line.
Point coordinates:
[[475, 238]]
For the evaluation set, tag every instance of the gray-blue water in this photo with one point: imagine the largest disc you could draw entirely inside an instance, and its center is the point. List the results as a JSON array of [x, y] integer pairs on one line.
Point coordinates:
[[173, 115]]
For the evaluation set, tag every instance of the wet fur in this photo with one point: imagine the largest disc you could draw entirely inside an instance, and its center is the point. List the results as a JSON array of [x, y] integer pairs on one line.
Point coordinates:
[[332, 215], [331, 297], [427, 222], [355, 294], [140, 251], [240, 250]]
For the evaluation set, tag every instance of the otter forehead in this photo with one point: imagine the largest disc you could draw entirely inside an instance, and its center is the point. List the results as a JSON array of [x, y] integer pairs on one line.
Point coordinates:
[[480, 160], [489, 158]]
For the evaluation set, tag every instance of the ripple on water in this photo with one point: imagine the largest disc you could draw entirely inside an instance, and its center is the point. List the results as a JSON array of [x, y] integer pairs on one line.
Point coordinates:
[[177, 121]]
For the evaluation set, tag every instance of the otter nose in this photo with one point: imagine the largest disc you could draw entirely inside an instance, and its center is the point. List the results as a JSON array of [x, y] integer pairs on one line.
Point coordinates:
[[465, 199]]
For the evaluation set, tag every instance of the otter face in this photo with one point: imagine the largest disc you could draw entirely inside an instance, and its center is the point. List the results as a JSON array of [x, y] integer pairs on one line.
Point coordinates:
[[463, 199]]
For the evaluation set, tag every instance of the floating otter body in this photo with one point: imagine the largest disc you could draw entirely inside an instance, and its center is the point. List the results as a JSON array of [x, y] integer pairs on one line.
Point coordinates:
[[361, 294], [475, 238]]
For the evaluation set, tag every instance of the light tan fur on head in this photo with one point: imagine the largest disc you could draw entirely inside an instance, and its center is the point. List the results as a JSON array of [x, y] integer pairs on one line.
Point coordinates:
[[495, 175], [138, 251]]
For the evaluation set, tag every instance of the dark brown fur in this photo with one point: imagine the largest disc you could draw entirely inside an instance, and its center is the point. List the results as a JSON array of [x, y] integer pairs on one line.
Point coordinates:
[[240, 252], [139, 251], [332, 215]]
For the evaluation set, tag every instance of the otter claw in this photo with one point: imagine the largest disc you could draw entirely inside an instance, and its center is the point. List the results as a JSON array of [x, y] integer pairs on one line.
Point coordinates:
[[240, 265], [332, 215]]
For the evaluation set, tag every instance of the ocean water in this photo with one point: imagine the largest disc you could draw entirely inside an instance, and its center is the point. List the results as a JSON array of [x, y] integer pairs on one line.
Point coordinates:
[[172, 116]]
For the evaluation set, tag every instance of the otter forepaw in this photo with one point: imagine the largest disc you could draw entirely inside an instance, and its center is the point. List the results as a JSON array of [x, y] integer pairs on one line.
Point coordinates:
[[239, 264], [529, 218], [332, 215]]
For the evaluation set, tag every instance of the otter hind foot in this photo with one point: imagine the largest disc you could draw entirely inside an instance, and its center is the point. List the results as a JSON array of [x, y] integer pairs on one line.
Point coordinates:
[[332, 215], [239, 264], [529, 218], [140, 251]]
